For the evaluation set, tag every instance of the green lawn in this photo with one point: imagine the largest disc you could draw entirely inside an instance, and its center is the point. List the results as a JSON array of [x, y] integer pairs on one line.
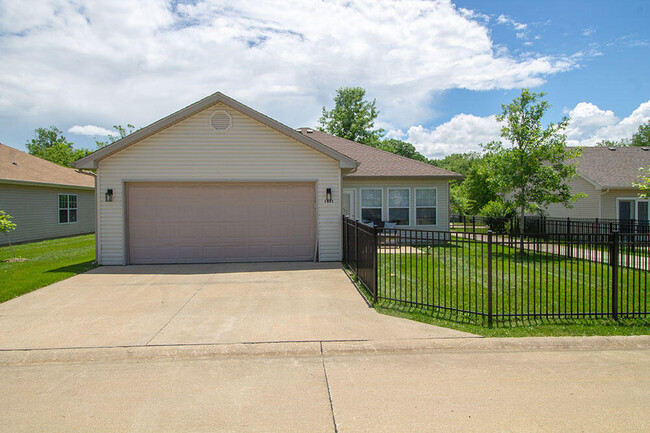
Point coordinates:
[[48, 262], [455, 276]]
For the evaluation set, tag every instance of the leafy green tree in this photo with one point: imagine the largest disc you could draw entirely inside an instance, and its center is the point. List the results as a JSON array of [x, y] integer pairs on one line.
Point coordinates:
[[5, 227], [52, 145], [478, 188], [470, 194], [643, 183], [624, 142], [402, 148], [642, 136], [352, 117], [121, 132], [458, 162], [535, 169]]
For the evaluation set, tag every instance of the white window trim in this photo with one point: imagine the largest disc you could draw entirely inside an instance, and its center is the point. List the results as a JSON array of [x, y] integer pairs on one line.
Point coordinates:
[[362, 207], [636, 201], [415, 204], [59, 208], [388, 206]]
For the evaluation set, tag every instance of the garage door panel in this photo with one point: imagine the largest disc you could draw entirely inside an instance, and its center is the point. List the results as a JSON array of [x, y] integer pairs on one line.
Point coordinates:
[[220, 222]]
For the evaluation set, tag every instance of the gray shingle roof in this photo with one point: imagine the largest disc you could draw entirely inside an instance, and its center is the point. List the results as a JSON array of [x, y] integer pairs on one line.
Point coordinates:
[[376, 162], [613, 168]]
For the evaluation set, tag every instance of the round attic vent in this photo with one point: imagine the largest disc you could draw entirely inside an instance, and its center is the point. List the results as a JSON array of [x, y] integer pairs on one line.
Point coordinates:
[[220, 120]]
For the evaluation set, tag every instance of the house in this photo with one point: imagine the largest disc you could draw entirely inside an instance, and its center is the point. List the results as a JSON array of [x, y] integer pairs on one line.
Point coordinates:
[[220, 182], [45, 199], [606, 176]]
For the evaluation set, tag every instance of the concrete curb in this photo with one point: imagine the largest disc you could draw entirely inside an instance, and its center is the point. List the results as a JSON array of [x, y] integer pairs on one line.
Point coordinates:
[[317, 348], [458, 345]]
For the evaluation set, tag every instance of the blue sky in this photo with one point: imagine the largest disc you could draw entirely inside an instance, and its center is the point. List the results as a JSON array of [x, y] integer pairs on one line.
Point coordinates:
[[439, 69], [613, 35]]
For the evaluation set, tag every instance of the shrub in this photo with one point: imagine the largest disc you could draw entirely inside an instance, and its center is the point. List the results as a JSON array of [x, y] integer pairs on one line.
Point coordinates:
[[499, 215]]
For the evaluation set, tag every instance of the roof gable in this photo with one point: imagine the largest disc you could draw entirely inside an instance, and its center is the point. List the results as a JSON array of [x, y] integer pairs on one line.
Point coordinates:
[[20, 167], [607, 168], [375, 162], [91, 160]]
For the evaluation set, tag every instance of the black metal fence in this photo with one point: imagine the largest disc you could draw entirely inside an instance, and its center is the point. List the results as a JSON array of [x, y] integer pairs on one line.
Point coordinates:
[[540, 225], [488, 277]]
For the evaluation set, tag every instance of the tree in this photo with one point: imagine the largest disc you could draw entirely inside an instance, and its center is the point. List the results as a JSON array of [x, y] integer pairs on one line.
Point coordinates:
[[642, 136], [352, 117], [624, 142], [535, 169], [468, 195], [121, 133], [51, 144], [401, 148], [458, 162], [5, 227], [643, 183]]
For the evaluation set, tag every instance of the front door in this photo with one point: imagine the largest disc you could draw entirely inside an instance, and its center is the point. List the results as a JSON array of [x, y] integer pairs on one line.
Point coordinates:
[[625, 215], [348, 207]]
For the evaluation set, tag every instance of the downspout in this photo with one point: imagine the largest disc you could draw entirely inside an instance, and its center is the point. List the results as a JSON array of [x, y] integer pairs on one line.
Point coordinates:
[[600, 202]]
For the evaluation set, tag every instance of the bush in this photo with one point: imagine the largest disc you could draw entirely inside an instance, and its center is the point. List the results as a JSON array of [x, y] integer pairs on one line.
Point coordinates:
[[499, 215]]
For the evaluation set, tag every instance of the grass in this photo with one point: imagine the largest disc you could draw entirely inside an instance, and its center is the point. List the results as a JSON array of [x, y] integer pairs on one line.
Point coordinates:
[[455, 276], [48, 262], [524, 328]]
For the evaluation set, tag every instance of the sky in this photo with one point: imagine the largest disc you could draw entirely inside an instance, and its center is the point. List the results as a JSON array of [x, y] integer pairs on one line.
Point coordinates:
[[439, 70]]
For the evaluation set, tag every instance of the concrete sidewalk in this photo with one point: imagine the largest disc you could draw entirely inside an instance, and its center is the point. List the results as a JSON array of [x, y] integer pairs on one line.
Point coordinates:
[[535, 384]]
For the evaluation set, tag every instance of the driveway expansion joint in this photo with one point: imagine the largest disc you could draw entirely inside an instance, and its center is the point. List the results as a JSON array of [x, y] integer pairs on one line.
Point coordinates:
[[329, 392], [181, 309]]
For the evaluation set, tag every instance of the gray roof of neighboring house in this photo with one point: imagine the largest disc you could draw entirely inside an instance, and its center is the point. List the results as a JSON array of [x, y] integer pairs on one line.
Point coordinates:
[[617, 168], [91, 160], [375, 162], [20, 167]]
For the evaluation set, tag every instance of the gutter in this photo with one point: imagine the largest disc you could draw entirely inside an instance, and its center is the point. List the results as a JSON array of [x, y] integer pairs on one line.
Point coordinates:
[[45, 184]]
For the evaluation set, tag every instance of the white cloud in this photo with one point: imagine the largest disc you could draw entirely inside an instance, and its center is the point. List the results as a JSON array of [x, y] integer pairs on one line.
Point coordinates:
[[96, 131], [464, 132], [503, 19], [119, 61], [590, 124]]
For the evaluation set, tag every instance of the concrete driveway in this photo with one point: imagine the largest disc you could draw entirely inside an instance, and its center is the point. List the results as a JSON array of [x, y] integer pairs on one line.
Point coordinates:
[[200, 304], [289, 348]]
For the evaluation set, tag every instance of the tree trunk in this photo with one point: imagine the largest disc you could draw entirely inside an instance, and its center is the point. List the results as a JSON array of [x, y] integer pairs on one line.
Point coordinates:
[[10, 246]]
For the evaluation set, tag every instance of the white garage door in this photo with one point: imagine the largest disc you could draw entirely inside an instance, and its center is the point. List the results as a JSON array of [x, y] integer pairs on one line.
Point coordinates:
[[220, 222]]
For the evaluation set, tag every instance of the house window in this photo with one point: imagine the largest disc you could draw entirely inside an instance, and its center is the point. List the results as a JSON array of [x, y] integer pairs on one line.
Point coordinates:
[[399, 206], [67, 208], [426, 206], [371, 205]]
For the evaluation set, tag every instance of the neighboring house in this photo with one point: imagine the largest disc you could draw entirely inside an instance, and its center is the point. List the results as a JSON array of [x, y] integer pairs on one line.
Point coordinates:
[[45, 199], [220, 182], [606, 176]]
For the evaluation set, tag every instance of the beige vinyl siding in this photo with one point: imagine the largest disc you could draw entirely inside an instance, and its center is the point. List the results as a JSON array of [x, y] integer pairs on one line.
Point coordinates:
[[586, 207], [192, 150], [35, 210], [384, 183], [610, 203]]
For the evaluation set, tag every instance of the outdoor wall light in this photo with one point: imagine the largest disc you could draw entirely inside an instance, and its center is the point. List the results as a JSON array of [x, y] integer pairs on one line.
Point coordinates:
[[109, 195], [328, 196]]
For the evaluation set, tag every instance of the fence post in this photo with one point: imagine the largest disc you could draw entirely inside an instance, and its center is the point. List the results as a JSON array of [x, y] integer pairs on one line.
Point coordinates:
[[375, 266], [489, 270], [356, 247], [344, 240], [473, 223], [614, 262]]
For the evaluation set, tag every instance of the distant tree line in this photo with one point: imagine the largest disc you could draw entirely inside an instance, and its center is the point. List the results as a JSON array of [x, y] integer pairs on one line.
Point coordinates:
[[52, 145]]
